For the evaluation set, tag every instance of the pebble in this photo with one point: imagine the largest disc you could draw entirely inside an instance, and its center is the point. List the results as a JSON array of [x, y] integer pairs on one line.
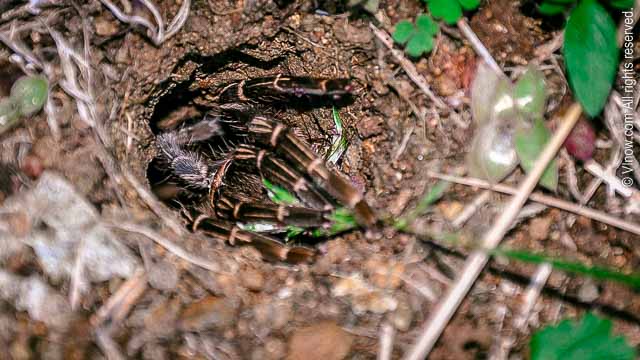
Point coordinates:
[[32, 166], [19, 223], [370, 126], [403, 315], [105, 27], [588, 291], [275, 315], [160, 320], [163, 275], [450, 209], [539, 228], [252, 279], [323, 341], [209, 313]]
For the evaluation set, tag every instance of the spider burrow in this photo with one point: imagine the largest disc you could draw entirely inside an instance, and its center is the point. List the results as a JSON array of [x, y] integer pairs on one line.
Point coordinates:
[[224, 158]]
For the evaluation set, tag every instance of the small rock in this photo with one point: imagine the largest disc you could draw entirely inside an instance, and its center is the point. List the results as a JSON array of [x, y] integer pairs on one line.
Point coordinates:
[[539, 228], [379, 87], [403, 315], [450, 209], [275, 315], [275, 348], [345, 32], [163, 275], [588, 292], [32, 166], [337, 251], [105, 27], [376, 301], [324, 341], [252, 279], [363, 296], [161, 319], [210, 312], [400, 202], [445, 86], [19, 223], [386, 276], [370, 126]]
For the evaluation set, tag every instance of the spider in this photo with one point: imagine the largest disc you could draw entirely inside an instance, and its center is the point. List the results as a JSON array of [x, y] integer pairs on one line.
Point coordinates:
[[223, 159]]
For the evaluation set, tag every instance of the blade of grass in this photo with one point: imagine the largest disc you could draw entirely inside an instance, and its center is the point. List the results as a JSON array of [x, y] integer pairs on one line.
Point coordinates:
[[596, 272], [423, 206], [339, 143]]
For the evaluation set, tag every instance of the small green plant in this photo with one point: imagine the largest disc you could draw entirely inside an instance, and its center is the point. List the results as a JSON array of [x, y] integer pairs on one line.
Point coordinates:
[[590, 338], [511, 129], [450, 11], [431, 197], [555, 7], [341, 219], [595, 272], [339, 143], [417, 38], [28, 95], [590, 48], [279, 195]]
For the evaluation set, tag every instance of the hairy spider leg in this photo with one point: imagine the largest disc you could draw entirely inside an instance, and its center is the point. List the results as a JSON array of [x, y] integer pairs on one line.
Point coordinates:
[[281, 87], [280, 139], [268, 246]]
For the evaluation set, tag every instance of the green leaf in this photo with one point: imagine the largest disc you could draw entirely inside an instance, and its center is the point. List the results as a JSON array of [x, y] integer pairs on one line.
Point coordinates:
[[30, 93], [573, 267], [278, 194], [339, 142], [529, 93], [591, 54], [529, 144], [622, 4], [431, 197], [425, 24], [468, 5], [493, 156], [588, 339], [447, 10], [404, 30], [419, 44], [551, 8]]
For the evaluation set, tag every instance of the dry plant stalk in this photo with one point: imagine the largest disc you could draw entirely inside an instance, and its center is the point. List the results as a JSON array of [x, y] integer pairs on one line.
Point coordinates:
[[156, 32], [436, 323]]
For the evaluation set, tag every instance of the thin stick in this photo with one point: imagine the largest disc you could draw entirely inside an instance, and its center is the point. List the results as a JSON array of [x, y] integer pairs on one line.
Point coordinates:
[[153, 203], [531, 295], [478, 259], [477, 45], [387, 333], [119, 304], [168, 244], [408, 66], [600, 216]]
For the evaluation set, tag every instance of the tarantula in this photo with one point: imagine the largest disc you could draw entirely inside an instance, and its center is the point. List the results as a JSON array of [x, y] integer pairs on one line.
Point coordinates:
[[222, 159]]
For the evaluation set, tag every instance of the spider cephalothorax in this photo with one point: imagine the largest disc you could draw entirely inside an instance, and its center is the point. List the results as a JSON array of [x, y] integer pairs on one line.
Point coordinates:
[[224, 158]]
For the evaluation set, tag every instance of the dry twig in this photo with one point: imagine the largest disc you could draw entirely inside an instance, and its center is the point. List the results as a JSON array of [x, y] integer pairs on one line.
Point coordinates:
[[546, 200], [157, 31], [408, 66], [478, 259], [168, 244]]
